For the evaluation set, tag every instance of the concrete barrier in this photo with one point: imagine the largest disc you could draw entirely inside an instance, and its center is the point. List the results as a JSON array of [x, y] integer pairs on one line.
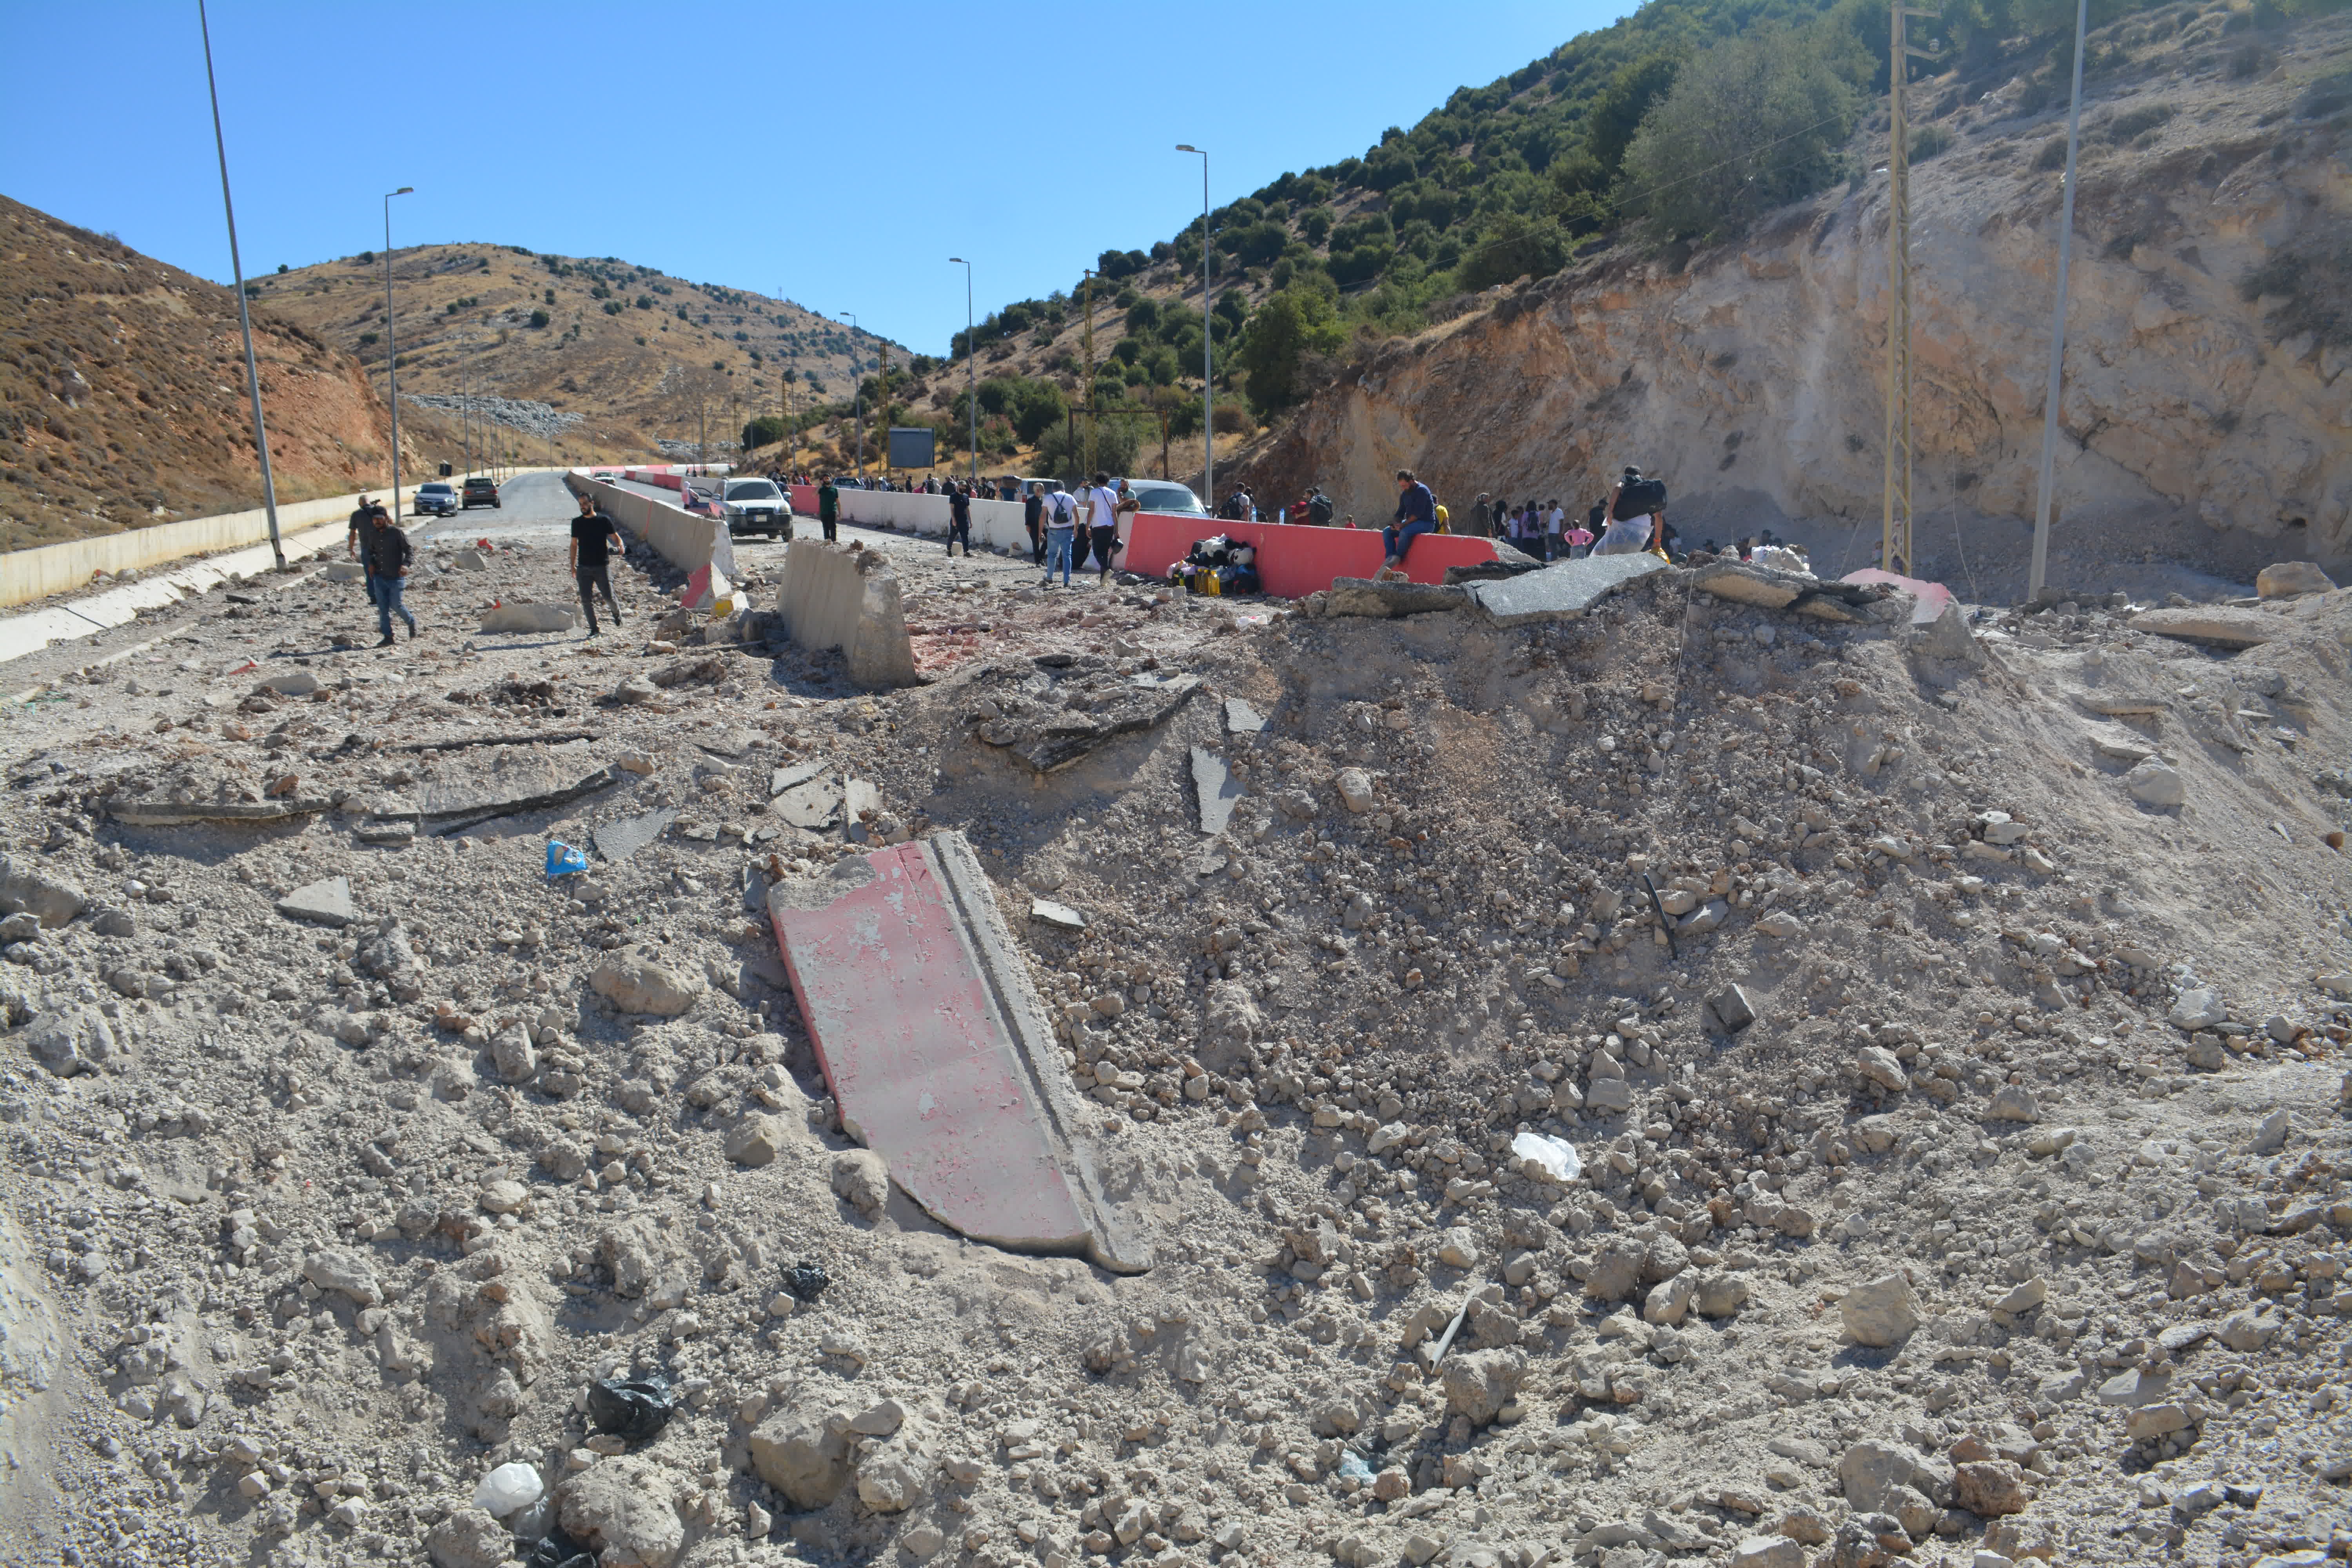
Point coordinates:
[[1293, 562], [835, 595], [997, 523], [29, 574], [687, 542]]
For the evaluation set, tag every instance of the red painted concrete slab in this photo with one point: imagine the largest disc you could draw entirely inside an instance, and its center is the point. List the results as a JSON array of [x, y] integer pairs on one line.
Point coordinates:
[[1293, 562], [918, 1055], [1928, 600]]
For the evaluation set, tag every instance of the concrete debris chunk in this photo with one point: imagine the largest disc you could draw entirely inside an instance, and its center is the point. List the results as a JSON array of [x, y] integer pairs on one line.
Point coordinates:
[[530, 618], [1745, 584], [1562, 589], [291, 683], [633, 981], [1061, 917], [616, 841], [1241, 719], [2212, 626], [1731, 1009], [1216, 790], [814, 803], [1881, 1312], [328, 902], [1385, 600], [2288, 579], [783, 779], [1355, 787], [25, 888], [2152, 783]]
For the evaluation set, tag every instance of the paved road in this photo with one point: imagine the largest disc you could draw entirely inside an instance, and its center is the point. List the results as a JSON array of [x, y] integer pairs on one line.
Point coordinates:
[[531, 506]]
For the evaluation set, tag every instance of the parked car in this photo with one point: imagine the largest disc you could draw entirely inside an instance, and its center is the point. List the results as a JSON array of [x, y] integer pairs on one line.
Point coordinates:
[[480, 491], [437, 498], [1164, 495], [757, 506]]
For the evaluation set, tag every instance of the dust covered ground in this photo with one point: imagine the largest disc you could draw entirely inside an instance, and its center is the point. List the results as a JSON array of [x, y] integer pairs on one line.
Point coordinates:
[[2012, 1223]]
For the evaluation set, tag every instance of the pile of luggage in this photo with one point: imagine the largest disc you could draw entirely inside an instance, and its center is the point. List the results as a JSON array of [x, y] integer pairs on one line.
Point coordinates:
[[1221, 566]]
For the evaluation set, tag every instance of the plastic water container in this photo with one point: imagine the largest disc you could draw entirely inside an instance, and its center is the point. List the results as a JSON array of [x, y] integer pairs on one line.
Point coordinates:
[[508, 1489]]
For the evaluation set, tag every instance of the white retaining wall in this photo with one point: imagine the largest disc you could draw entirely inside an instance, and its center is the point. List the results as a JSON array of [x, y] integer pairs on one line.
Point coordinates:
[[994, 523]]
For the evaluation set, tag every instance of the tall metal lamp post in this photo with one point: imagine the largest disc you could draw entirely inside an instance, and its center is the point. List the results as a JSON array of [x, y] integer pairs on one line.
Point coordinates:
[[243, 317], [392, 348], [1208, 352], [972, 362], [857, 388]]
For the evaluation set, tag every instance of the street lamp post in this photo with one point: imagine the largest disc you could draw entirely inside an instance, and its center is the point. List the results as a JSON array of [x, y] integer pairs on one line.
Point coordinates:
[[1208, 352], [972, 362], [857, 389], [243, 317], [392, 349]]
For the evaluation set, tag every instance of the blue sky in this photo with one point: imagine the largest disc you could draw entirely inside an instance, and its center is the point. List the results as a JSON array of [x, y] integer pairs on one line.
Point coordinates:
[[871, 142]]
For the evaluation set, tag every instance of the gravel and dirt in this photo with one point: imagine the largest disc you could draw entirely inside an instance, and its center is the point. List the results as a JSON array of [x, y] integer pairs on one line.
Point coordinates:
[[1689, 1083]]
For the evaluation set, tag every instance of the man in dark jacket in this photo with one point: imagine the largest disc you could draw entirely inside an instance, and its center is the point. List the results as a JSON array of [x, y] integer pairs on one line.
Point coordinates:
[[828, 505], [1030, 510], [1416, 514], [387, 552], [959, 518]]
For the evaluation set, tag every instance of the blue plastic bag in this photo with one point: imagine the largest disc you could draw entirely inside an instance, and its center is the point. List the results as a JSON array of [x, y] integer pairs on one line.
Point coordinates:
[[563, 859]]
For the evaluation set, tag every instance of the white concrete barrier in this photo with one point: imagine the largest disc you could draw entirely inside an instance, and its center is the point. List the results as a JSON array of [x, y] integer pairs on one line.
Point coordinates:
[[687, 542], [29, 574], [835, 595], [994, 523]]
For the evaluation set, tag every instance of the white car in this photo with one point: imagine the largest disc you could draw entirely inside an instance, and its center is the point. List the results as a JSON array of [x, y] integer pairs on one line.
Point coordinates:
[[757, 506]]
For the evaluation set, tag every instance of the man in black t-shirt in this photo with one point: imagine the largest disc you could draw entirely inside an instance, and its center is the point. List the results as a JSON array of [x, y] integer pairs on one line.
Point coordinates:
[[592, 539], [959, 518]]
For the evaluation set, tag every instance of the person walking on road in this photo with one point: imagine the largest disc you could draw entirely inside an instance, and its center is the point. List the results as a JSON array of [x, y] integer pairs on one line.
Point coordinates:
[[828, 506], [1416, 514], [592, 539], [959, 519], [1061, 526], [388, 555], [1032, 517]]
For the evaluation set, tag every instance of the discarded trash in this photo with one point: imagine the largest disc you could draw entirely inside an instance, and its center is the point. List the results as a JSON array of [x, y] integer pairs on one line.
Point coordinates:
[[557, 1550], [1558, 1156], [632, 1408], [806, 1281], [509, 1489], [563, 859], [1352, 1467]]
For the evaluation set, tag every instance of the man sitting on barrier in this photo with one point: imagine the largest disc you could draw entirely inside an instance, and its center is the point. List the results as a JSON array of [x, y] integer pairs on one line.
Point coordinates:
[[1416, 514]]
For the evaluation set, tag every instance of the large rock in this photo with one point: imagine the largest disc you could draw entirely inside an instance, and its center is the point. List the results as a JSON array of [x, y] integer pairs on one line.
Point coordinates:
[[1355, 789], [1882, 1312], [1991, 1487], [2212, 626], [625, 1509], [529, 619], [1480, 1384], [1947, 640], [793, 1453], [862, 1179], [632, 981], [2153, 784], [468, 1537], [328, 902], [893, 1480], [74, 1040], [342, 1269], [757, 1140], [1870, 1472], [25, 888], [2286, 579]]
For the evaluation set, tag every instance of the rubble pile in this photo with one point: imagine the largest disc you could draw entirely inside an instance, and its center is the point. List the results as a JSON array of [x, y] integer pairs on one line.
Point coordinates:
[[1707, 1076]]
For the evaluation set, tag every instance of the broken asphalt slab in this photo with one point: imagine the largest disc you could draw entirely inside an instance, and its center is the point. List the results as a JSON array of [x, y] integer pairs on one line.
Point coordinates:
[[168, 813], [616, 841], [2212, 626], [1241, 719], [782, 779], [1564, 588], [327, 902], [1061, 738], [503, 783], [1216, 789], [1379, 600], [814, 805], [938, 1052]]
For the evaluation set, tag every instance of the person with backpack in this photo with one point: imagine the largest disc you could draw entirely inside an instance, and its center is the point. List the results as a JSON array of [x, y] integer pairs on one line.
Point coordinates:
[[1634, 509], [1061, 515], [1416, 514], [1318, 506]]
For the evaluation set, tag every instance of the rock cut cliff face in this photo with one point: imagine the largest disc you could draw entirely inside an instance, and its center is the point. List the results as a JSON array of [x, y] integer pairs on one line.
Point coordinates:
[[2204, 422]]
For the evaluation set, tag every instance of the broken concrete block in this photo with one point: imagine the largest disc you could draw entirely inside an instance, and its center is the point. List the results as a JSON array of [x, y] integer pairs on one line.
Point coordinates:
[[633, 982], [293, 683], [1731, 1009], [530, 618], [2286, 579], [1564, 588], [346, 572], [2212, 626], [1947, 640], [1241, 719], [941, 1052], [1745, 584], [782, 779], [1355, 789], [471, 560], [814, 805], [1215, 789], [52, 900], [328, 902], [1384, 600], [847, 598]]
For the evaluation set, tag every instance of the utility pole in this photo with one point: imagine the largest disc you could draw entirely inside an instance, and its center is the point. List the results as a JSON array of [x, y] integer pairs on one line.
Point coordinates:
[[244, 316], [2044, 496], [857, 393], [972, 362], [882, 410], [1894, 529], [391, 350], [1087, 340], [1208, 351]]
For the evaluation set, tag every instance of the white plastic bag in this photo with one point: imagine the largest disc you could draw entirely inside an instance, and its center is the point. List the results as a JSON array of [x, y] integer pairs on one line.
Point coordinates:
[[1556, 1156], [508, 1489]]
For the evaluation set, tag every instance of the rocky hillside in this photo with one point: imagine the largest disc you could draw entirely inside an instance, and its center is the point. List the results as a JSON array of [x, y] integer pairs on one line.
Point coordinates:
[[601, 357], [2205, 415], [122, 397]]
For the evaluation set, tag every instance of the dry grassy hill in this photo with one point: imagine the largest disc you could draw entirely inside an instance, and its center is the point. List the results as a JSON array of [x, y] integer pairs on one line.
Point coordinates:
[[122, 398], [622, 357]]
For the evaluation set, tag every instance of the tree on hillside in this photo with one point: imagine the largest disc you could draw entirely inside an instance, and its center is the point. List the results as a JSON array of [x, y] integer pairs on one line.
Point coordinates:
[[1582, 179], [1753, 123], [1513, 247], [1293, 323]]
